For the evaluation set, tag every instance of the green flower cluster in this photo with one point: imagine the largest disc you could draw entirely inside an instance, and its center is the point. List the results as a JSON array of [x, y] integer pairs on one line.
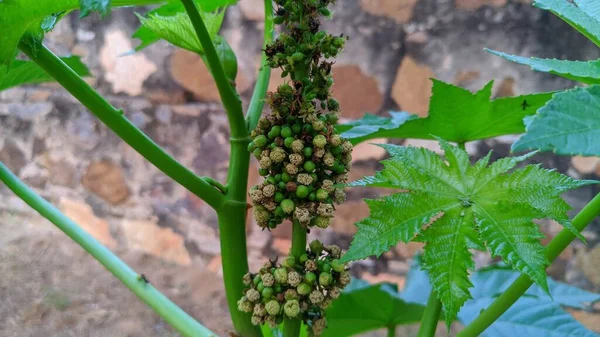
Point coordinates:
[[297, 288], [301, 156]]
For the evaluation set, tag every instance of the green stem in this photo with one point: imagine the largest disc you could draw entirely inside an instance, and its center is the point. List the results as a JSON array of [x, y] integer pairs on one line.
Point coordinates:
[[431, 316], [461, 145], [229, 97], [262, 83], [391, 331], [119, 124], [169, 311], [521, 284], [291, 327]]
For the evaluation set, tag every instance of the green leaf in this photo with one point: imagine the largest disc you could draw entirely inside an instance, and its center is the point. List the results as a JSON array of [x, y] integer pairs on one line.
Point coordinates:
[[177, 29], [456, 206], [581, 71], [574, 16], [27, 72], [363, 307], [590, 7], [147, 36], [100, 6], [455, 114], [568, 125]]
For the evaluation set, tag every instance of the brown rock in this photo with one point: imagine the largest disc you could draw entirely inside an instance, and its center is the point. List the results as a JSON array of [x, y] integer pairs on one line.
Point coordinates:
[[282, 246], [401, 11], [13, 156], [150, 238], [506, 88], [356, 91], [589, 263], [106, 180], [83, 215], [476, 4], [412, 87], [61, 171], [347, 214], [252, 9], [585, 165], [189, 71]]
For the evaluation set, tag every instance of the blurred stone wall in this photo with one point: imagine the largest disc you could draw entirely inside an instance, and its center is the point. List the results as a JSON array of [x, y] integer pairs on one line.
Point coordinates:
[[58, 147]]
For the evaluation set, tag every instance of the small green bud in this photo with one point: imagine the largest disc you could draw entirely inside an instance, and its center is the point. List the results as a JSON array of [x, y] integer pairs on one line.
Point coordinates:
[[281, 185], [307, 152], [296, 128], [320, 35], [322, 194], [285, 177], [316, 297], [251, 147], [291, 308], [312, 196], [256, 280], [320, 141], [278, 197], [289, 262], [268, 292], [321, 221], [247, 279], [338, 266], [244, 305], [316, 247], [257, 153], [273, 307], [275, 132], [309, 166], [260, 287], [325, 279], [286, 131], [303, 289], [288, 142], [281, 275], [253, 295], [310, 277], [297, 56], [263, 172], [324, 11], [260, 141], [288, 205], [290, 294], [279, 212], [303, 258], [302, 192]]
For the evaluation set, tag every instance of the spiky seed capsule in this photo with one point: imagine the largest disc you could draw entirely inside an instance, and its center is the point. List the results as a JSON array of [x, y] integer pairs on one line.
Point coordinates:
[[320, 141], [325, 210], [291, 169], [256, 195], [322, 194], [253, 295], [345, 278], [272, 307], [294, 278], [339, 196], [297, 146], [257, 320], [346, 146], [296, 159], [335, 140], [265, 162], [318, 125], [334, 251], [278, 155], [268, 280], [310, 265], [304, 179], [327, 185], [269, 190], [262, 215], [318, 326], [328, 159], [338, 266], [247, 279], [281, 275], [321, 221], [334, 292], [244, 305], [272, 322], [341, 179], [291, 294], [302, 215], [291, 308], [289, 262], [316, 247], [318, 152], [316, 297], [303, 289], [325, 304], [259, 310], [325, 279]]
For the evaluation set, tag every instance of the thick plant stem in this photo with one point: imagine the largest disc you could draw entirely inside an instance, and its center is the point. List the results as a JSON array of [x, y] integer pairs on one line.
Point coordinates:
[[229, 97], [291, 327], [262, 83], [391, 331], [431, 316], [521, 284], [169, 311], [118, 123]]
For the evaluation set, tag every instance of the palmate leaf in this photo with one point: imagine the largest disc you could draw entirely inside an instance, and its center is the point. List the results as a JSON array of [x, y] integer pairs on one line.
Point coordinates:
[[455, 114], [27, 72], [457, 206], [569, 124]]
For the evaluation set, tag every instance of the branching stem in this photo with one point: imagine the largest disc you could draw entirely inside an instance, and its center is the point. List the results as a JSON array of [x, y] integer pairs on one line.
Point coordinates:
[[431, 316], [291, 327]]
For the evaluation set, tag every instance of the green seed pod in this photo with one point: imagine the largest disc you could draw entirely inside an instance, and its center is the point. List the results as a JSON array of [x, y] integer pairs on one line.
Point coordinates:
[[278, 197], [322, 222], [333, 118], [294, 278], [286, 131], [322, 194], [318, 125], [275, 132], [312, 196], [289, 262], [310, 277], [257, 153], [253, 295], [261, 215], [247, 279], [291, 308], [227, 57], [302, 192], [244, 305], [260, 141], [291, 294], [316, 297], [303, 258], [256, 280], [288, 206], [259, 310], [281, 275], [260, 287], [309, 166], [320, 141], [296, 128], [297, 56], [285, 177], [279, 212], [278, 20], [320, 35], [316, 247], [303, 289], [288, 142], [307, 152], [258, 320], [273, 307], [267, 292], [281, 185], [251, 147], [325, 279], [336, 151], [338, 266], [263, 172]]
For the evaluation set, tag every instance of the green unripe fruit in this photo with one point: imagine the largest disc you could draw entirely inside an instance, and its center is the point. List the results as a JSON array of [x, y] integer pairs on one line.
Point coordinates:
[[332, 118], [302, 191], [251, 147], [271, 180], [256, 280], [288, 142], [308, 152], [275, 132], [303, 258], [278, 177], [318, 125], [285, 177], [288, 205], [310, 277], [325, 279], [312, 196], [333, 104], [316, 247], [278, 197], [263, 172], [273, 307], [291, 308], [286, 131], [290, 294], [309, 166], [308, 128], [336, 151], [278, 288], [320, 35], [297, 56], [281, 185], [322, 194], [296, 128], [320, 141], [303, 289], [337, 266], [314, 176], [339, 42], [257, 153], [321, 221], [261, 286], [289, 262], [339, 168], [279, 211], [281, 275], [326, 267], [268, 292], [260, 141]]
